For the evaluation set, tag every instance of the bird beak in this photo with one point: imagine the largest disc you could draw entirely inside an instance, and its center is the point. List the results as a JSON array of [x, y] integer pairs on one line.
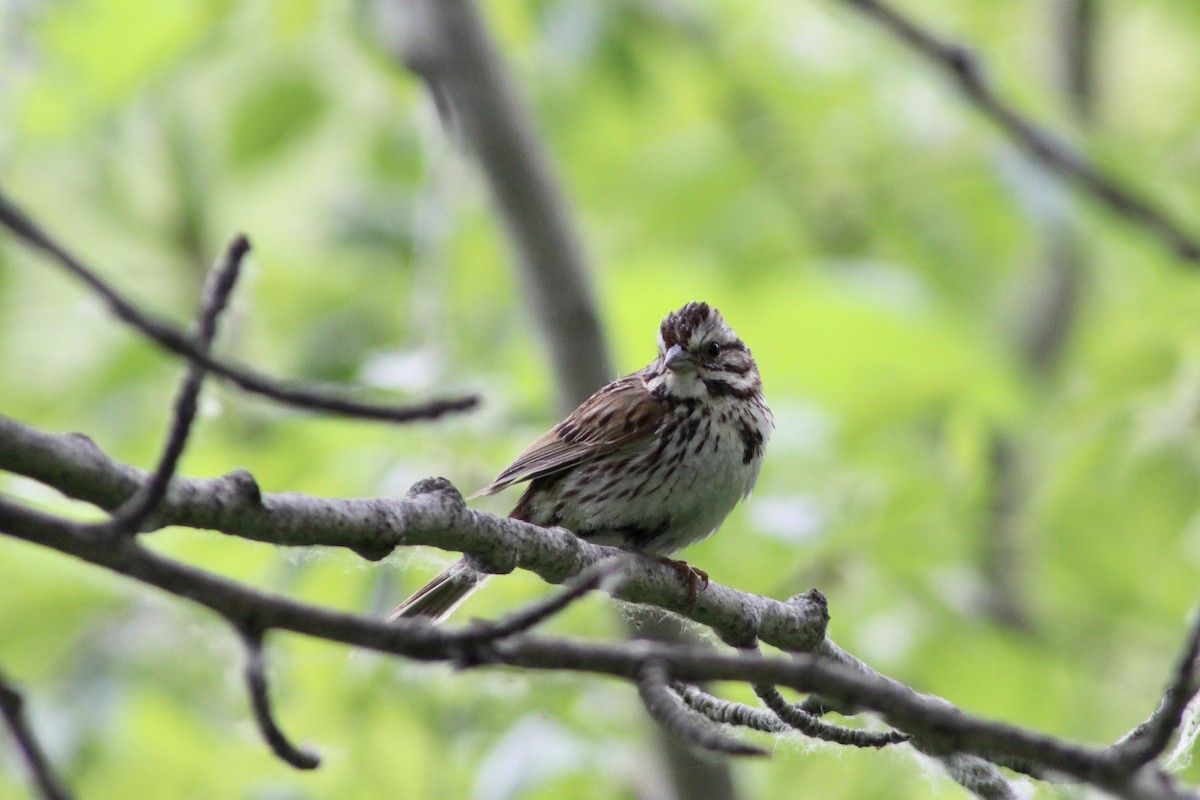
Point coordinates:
[[676, 359]]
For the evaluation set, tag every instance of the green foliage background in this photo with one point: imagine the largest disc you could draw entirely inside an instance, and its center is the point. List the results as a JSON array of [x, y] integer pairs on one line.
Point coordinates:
[[883, 250]]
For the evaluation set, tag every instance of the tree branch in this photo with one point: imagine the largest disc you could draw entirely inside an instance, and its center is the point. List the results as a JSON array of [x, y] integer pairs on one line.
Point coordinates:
[[1147, 741], [12, 708], [171, 338], [260, 701], [979, 777], [901, 706], [729, 713], [134, 511], [653, 681], [964, 68], [782, 717], [976, 773], [798, 719], [446, 43], [432, 514], [525, 619], [930, 718]]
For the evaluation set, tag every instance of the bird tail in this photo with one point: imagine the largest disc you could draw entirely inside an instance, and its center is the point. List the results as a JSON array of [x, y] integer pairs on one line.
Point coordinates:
[[438, 598]]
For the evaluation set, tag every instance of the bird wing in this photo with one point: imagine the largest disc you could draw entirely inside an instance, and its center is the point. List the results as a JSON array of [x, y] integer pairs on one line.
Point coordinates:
[[619, 415]]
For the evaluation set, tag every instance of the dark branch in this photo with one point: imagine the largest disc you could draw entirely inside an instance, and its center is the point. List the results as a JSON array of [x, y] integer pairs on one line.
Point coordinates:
[[943, 728], [130, 515], [1147, 741], [978, 777], [816, 728], [256, 684], [447, 44], [964, 68], [432, 514], [653, 681], [524, 619], [12, 707], [975, 772], [727, 712], [171, 338]]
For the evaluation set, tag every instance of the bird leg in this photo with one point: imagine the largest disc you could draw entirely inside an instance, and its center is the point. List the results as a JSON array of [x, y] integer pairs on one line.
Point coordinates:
[[696, 578]]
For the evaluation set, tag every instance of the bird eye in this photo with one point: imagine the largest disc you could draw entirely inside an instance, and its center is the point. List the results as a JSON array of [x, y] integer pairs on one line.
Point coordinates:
[[712, 350]]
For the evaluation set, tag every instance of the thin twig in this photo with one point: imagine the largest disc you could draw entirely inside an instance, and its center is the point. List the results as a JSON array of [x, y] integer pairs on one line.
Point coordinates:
[[171, 338], [12, 707], [256, 684], [653, 681], [524, 619], [215, 298], [964, 68], [474, 638], [1147, 741], [979, 777], [727, 712], [817, 728]]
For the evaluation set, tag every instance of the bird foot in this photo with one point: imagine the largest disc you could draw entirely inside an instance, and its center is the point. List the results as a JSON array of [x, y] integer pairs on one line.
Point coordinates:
[[696, 578]]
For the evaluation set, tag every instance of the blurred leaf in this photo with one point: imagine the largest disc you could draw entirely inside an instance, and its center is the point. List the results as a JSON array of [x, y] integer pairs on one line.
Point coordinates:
[[275, 115]]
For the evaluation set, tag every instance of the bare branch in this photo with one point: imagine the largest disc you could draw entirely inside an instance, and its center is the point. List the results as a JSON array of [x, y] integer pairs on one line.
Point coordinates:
[[653, 679], [171, 338], [432, 514], [963, 67], [474, 638], [12, 708], [979, 777], [220, 285], [256, 684], [1147, 741], [727, 712], [942, 728], [524, 619], [447, 44], [800, 720], [974, 772]]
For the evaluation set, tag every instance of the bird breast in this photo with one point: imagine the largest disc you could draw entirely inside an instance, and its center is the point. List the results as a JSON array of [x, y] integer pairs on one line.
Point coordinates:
[[674, 489]]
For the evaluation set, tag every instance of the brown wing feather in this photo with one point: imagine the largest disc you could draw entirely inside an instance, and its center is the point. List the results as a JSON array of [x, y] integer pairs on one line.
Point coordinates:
[[617, 416]]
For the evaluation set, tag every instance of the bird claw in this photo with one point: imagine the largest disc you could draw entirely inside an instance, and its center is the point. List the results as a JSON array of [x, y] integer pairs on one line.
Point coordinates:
[[696, 578]]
